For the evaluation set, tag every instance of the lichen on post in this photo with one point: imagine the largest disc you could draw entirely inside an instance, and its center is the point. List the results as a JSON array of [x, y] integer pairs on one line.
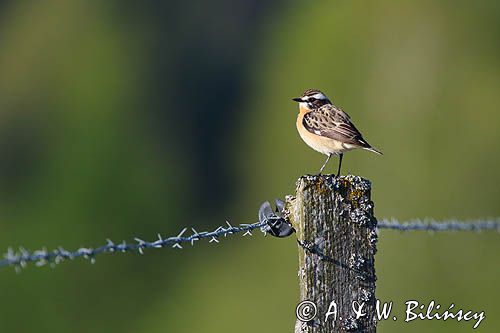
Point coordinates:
[[336, 233]]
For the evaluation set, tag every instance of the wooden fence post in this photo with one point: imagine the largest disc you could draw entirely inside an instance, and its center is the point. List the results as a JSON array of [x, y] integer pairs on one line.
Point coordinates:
[[336, 232]]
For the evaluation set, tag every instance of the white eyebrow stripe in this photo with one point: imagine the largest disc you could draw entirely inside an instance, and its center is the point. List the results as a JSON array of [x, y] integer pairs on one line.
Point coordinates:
[[319, 96]]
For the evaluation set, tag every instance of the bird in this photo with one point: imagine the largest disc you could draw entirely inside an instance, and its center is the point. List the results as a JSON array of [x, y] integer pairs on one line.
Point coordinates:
[[327, 128]]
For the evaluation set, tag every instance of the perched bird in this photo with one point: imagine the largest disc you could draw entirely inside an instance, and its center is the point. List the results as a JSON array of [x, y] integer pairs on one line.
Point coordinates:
[[326, 128]]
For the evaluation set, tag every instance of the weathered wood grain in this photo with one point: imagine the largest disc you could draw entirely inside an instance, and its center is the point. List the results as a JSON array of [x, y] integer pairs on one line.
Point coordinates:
[[336, 231]]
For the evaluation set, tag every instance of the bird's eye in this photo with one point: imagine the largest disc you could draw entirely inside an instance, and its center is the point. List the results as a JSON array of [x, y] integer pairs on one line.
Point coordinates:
[[311, 99]]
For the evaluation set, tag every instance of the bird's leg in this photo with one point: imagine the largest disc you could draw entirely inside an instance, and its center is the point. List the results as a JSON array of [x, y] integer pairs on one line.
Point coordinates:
[[324, 164], [340, 164]]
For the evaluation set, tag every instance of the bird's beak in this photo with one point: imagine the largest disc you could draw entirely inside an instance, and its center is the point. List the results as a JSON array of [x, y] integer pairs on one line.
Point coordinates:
[[297, 99]]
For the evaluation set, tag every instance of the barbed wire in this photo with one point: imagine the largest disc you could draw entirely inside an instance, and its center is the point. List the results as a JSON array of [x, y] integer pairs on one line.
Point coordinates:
[[430, 224], [20, 258]]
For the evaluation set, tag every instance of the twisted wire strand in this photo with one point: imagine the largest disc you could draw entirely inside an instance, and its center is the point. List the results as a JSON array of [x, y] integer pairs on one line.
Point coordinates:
[[20, 258], [430, 224]]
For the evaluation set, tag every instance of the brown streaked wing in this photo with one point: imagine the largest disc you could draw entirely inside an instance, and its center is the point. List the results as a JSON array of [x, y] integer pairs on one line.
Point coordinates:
[[333, 123]]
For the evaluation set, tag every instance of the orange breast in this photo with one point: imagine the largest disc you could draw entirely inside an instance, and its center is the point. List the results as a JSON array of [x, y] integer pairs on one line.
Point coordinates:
[[319, 143]]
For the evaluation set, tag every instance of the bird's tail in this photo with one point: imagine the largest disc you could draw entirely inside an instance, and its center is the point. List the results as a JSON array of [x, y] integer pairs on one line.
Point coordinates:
[[374, 150], [365, 145]]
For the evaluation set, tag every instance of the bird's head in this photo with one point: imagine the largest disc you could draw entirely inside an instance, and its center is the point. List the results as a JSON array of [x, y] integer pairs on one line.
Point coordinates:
[[312, 99]]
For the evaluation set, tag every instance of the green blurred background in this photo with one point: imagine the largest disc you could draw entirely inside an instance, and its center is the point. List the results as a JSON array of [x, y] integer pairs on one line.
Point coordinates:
[[122, 119]]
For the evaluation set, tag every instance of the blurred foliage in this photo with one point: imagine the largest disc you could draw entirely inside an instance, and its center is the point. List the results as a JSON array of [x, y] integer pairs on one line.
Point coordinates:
[[118, 120]]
